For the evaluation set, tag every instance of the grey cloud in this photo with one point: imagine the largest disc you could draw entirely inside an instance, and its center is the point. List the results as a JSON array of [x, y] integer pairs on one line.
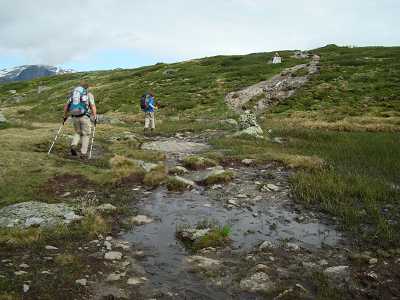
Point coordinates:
[[55, 32]]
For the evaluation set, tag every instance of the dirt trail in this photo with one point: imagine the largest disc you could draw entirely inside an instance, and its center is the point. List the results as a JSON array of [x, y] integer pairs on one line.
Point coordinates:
[[270, 92]]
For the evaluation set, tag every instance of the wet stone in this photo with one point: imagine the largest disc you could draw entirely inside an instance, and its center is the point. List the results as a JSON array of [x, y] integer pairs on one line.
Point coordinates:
[[258, 282]]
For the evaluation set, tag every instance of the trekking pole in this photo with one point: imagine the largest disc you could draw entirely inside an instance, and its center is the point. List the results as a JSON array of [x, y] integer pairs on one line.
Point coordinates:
[[91, 144], [56, 137]]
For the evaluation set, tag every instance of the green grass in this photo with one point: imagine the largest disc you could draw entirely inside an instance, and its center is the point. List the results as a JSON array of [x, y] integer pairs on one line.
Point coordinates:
[[357, 183], [195, 162]]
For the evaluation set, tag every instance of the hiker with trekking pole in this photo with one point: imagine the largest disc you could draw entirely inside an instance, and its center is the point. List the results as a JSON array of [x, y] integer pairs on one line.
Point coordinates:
[[81, 108]]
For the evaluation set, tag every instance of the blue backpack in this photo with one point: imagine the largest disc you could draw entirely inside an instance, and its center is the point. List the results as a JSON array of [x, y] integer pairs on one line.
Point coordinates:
[[79, 102]]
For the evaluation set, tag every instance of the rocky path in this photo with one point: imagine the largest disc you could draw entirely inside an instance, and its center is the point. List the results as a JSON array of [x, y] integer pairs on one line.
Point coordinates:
[[270, 92]]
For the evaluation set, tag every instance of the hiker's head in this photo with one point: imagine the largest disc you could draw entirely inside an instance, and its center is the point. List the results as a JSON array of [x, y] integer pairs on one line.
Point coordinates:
[[84, 84]]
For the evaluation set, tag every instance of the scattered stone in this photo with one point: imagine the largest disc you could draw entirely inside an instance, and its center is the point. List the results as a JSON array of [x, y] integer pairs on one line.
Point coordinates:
[[266, 245], [136, 280], [107, 207], [113, 277], [373, 275], [20, 273], [192, 234], [13, 92], [373, 261], [24, 266], [258, 282], [109, 238], [323, 262], [248, 161], [273, 187], [141, 220], [25, 288], [233, 202], [82, 282], [42, 88], [108, 246], [293, 246], [113, 255], [48, 247], [201, 263]]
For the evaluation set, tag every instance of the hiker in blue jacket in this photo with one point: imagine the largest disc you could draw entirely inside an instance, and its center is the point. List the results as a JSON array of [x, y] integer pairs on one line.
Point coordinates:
[[149, 118]]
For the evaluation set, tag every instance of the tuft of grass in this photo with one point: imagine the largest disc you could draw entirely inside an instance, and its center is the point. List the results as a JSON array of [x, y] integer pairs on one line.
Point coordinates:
[[155, 177], [124, 167], [217, 236], [195, 162], [220, 177], [20, 238], [176, 185]]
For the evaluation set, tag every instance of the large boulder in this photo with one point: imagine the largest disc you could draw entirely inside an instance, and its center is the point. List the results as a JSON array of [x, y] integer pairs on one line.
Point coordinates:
[[27, 214]]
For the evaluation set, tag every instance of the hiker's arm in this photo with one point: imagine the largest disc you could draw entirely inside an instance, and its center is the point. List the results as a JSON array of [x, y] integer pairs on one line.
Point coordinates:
[[94, 110], [66, 109]]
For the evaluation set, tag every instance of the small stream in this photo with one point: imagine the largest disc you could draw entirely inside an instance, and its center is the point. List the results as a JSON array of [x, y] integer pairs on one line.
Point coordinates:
[[269, 218]]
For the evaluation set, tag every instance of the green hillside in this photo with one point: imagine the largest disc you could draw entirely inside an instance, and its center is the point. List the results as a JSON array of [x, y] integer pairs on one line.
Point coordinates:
[[337, 138]]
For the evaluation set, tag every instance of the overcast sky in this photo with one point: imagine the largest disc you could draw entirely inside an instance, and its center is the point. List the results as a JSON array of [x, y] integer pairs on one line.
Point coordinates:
[[102, 34]]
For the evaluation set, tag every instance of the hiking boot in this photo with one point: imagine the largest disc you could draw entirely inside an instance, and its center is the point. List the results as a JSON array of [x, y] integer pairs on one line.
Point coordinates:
[[74, 152]]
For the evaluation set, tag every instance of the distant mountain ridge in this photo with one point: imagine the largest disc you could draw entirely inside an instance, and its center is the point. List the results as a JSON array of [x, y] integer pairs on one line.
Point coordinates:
[[28, 72]]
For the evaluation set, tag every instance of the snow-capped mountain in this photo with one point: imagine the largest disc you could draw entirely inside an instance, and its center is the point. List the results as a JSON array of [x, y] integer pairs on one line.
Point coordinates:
[[29, 72]]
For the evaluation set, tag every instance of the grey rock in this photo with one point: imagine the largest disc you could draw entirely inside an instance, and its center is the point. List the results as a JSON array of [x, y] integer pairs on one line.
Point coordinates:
[[108, 245], [107, 207], [141, 220], [12, 92], [248, 161], [20, 273], [31, 213], [25, 288], [254, 131], [113, 277], [258, 282], [266, 245], [49, 247], [34, 221], [136, 280], [175, 146], [113, 255], [272, 187], [192, 234], [82, 282], [293, 246], [201, 263]]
